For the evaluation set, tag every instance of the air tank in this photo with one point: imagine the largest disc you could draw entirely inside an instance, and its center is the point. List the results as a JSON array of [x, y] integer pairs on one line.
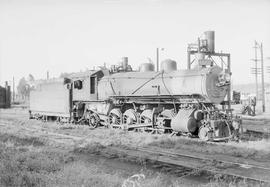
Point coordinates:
[[210, 38], [145, 67], [168, 65]]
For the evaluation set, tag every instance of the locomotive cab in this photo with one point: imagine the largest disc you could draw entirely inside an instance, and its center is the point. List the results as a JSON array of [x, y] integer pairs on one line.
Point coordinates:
[[84, 91]]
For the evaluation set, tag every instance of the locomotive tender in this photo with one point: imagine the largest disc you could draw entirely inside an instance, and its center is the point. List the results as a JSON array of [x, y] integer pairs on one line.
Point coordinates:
[[169, 100]]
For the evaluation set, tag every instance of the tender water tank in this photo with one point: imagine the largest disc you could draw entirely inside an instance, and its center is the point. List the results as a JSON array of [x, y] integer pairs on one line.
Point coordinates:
[[144, 67], [168, 65], [210, 38]]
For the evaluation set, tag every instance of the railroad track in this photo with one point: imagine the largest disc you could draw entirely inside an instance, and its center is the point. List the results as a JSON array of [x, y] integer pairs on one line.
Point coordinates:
[[256, 128], [188, 160], [191, 161], [195, 162], [260, 134], [266, 119], [246, 171]]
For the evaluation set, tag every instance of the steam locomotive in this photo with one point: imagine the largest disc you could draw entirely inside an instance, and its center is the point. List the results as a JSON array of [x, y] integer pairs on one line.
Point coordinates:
[[168, 101]]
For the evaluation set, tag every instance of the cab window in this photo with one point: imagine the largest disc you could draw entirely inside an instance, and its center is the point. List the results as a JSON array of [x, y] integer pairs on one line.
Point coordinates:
[[78, 84], [92, 85]]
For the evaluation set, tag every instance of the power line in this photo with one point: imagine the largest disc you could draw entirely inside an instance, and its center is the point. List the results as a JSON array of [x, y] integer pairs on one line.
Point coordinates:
[[256, 69], [259, 71], [262, 66]]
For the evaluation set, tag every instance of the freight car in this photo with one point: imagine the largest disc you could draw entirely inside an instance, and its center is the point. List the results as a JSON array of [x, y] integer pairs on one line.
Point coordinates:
[[169, 100], [5, 96]]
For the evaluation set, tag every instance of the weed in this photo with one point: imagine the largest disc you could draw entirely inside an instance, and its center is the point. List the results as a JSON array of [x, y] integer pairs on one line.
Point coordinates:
[[91, 148], [18, 141], [24, 166], [80, 174]]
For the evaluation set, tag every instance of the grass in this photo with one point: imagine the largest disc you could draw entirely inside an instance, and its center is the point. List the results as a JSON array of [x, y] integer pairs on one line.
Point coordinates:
[[28, 161], [106, 137], [258, 150], [245, 150], [49, 167], [28, 166], [19, 141], [215, 179], [79, 174]]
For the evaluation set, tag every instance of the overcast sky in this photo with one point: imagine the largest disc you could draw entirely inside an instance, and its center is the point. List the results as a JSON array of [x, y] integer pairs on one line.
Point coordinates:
[[73, 35]]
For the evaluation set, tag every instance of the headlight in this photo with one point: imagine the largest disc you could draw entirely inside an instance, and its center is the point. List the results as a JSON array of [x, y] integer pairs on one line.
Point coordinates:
[[224, 79]]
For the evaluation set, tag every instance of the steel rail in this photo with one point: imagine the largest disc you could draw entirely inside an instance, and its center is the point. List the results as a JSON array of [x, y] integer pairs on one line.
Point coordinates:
[[192, 161], [258, 133], [202, 158]]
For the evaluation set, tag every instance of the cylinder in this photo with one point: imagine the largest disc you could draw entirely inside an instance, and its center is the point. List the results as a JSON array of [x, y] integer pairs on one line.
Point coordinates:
[[168, 65], [145, 67], [210, 38], [184, 121]]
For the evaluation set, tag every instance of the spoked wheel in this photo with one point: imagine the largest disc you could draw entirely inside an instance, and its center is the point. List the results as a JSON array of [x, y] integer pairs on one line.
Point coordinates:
[[44, 118], [59, 120], [62, 120], [115, 117], [146, 117], [93, 120], [130, 117], [163, 123]]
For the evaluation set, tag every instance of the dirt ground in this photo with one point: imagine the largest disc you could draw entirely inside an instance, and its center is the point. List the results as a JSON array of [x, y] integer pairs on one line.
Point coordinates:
[[34, 153]]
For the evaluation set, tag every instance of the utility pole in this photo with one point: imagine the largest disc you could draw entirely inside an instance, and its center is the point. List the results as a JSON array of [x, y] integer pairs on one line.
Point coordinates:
[[262, 69], [256, 70], [229, 88], [157, 59]]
